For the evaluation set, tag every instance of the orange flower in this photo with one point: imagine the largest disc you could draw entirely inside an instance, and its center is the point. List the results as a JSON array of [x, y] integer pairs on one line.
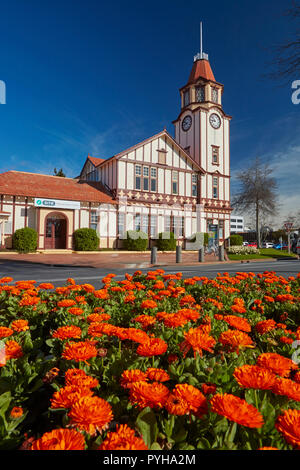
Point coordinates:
[[209, 388], [197, 339], [239, 323], [96, 317], [145, 394], [193, 397], [80, 351], [66, 303], [5, 332], [46, 285], [289, 425], [101, 294], [287, 387], [79, 378], [5, 280], [134, 334], [145, 320], [268, 448], [123, 439], [129, 298], [153, 347], [157, 375], [265, 326], [148, 304], [175, 405], [16, 412], [66, 332], [174, 320], [28, 300], [275, 362], [236, 409], [131, 376], [236, 339], [13, 350], [67, 396], [254, 377], [91, 414], [75, 311], [20, 325], [60, 439]]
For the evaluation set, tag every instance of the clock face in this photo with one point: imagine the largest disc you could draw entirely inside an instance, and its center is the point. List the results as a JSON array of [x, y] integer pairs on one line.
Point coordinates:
[[186, 123], [215, 121]]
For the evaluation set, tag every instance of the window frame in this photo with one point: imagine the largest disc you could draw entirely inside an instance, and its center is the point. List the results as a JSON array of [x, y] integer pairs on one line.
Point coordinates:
[[200, 87], [176, 181], [215, 150], [215, 186]]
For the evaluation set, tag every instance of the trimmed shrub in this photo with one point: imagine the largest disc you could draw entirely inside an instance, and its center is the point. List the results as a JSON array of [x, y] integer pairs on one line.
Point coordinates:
[[242, 250], [236, 240], [86, 239], [136, 240], [25, 240], [166, 241]]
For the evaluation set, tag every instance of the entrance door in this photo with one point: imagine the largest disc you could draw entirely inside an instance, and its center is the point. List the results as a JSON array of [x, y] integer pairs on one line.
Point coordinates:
[[56, 230]]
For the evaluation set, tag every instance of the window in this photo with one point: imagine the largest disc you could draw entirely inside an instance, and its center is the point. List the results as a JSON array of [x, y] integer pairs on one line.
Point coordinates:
[[194, 185], [200, 94], [167, 223], [175, 182], [240, 220], [162, 157], [215, 187], [138, 174], [178, 226], [144, 223], [221, 229], [121, 223], [214, 94], [153, 174], [215, 155], [153, 226], [137, 222], [186, 98], [94, 220], [145, 178]]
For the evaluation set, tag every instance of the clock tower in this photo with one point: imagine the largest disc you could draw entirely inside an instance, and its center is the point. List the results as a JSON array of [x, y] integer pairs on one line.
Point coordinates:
[[202, 129]]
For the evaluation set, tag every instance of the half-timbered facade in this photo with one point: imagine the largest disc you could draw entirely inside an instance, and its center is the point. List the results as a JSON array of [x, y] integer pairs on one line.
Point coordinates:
[[162, 184]]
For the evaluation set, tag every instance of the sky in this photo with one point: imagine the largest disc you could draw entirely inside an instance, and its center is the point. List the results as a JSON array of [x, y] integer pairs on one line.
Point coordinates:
[[94, 77]]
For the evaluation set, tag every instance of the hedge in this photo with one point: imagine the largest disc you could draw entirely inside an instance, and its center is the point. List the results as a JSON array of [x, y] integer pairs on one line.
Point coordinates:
[[86, 239], [236, 240], [166, 241], [25, 240], [136, 240]]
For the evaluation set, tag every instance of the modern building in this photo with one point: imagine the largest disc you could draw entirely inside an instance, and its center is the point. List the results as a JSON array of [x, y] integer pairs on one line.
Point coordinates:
[[164, 183], [236, 223]]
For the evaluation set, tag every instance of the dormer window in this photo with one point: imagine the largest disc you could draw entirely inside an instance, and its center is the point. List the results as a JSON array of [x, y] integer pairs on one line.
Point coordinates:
[[200, 94], [214, 95], [186, 98]]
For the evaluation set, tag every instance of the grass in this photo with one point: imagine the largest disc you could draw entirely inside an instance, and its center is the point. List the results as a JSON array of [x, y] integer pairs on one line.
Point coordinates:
[[264, 253]]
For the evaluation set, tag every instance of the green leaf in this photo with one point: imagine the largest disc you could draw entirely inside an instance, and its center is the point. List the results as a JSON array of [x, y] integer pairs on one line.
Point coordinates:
[[147, 426], [5, 400], [155, 446]]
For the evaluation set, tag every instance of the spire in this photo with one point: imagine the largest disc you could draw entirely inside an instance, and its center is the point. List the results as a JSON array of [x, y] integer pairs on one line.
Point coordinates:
[[201, 67]]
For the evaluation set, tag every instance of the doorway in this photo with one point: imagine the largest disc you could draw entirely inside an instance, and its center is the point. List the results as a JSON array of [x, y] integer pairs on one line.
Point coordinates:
[[55, 231]]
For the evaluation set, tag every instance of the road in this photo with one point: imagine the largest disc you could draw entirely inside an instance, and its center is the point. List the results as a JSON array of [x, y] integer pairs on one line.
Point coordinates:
[[58, 274]]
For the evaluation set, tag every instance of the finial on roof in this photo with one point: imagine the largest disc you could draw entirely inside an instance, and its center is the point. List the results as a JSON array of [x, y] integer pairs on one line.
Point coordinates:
[[201, 54]]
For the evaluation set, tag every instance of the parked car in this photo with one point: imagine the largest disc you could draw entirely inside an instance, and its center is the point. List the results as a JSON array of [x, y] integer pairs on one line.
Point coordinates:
[[281, 246], [254, 244], [245, 243], [267, 245]]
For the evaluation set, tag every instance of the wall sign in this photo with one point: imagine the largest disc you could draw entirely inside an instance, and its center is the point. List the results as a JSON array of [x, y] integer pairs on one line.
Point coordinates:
[[56, 204]]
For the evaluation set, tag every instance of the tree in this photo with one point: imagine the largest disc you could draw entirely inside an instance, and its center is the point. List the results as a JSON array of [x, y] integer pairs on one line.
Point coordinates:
[[59, 173], [286, 60], [257, 194]]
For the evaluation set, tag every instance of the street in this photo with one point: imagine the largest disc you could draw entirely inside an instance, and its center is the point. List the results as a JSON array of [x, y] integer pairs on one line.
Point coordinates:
[[82, 274]]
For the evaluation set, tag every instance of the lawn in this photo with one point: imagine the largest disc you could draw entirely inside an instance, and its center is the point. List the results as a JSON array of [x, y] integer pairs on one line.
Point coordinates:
[[263, 253]]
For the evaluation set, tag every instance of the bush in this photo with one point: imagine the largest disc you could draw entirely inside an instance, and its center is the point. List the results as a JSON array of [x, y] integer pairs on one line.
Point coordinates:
[[136, 241], [25, 240], [236, 240], [86, 239], [242, 250], [166, 241]]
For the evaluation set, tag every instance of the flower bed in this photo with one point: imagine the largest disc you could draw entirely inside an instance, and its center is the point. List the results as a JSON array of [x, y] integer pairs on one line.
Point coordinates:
[[154, 361], [243, 250]]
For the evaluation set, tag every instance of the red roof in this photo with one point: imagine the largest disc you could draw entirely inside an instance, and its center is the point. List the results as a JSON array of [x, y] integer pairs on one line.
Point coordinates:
[[19, 183], [96, 161], [201, 69]]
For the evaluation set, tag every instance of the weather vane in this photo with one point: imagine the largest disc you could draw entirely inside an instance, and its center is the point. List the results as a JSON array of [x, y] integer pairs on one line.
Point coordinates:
[[201, 54]]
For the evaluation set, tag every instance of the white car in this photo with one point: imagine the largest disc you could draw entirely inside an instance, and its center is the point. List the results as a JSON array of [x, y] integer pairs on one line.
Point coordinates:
[[245, 243], [268, 245]]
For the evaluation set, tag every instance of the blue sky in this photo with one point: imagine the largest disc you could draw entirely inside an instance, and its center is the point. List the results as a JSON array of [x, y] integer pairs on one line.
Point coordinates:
[[97, 77]]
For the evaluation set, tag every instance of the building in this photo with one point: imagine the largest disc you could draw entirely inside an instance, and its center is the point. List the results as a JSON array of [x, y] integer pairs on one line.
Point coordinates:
[[236, 223], [179, 184]]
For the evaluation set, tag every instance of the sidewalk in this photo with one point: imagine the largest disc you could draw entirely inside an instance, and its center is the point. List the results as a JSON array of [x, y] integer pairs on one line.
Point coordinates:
[[109, 259]]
